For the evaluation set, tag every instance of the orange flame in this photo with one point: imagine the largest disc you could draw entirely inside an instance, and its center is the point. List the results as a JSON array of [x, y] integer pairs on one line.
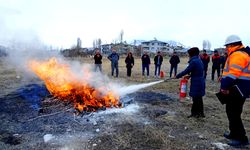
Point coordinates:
[[64, 84]]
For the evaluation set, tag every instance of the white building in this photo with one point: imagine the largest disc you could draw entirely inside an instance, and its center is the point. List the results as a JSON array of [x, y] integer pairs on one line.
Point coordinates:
[[154, 45]]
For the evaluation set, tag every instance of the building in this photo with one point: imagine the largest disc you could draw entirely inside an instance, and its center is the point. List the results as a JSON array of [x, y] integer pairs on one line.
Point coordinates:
[[121, 48], [106, 48], [154, 45]]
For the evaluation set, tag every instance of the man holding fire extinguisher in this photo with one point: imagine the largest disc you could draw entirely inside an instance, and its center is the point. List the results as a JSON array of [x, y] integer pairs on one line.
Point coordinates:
[[195, 71]]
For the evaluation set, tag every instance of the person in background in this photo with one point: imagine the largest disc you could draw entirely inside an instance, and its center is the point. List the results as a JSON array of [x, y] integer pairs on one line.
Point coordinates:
[[236, 72], [114, 58], [197, 86], [129, 63], [98, 60], [158, 61], [205, 60], [174, 61], [223, 59], [145, 63], [216, 64]]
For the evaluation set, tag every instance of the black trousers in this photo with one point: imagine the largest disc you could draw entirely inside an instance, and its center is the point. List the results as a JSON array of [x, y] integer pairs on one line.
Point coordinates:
[[234, 107], [129, 70], [213, 72], [205, 71], [197, 107]]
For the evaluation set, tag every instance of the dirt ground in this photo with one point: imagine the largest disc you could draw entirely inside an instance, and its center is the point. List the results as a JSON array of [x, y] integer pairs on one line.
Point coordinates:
[[154, 118]]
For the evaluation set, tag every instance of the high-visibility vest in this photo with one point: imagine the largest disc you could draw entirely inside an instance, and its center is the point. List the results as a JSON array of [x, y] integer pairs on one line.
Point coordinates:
[[237, 66]]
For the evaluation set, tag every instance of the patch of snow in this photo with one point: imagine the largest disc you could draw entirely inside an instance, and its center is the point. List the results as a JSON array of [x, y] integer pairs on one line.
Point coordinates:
[[220, 145], [132, 108], [47, 137]]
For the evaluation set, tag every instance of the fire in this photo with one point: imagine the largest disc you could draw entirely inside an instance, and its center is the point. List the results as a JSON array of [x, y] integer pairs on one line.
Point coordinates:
[[66, 85]]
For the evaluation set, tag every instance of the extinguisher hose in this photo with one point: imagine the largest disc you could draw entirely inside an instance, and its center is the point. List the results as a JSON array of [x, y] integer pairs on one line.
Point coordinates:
[[168, 79]]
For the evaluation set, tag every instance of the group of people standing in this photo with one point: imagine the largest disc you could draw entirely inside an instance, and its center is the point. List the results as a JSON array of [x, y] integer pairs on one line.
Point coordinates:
[[129, 61], [158, 59], [217, 60], [114, 59]]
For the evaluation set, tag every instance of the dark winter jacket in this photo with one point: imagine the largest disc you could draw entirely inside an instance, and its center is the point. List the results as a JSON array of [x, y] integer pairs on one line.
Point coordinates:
[[113, 57], [205, 59], [195, 67], [223, 61], [156, 60], [145, 59], [98, 59], [129, 62], [174, 60], [216, 61]]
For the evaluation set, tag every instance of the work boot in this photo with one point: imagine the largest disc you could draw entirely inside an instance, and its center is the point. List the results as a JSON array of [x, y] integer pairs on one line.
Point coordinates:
[[201, 116], [228, 135], [195, 116], [237, 143]]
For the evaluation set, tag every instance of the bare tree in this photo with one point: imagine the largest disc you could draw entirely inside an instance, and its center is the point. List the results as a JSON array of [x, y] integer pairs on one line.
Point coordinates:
[[94, 43], [121, 36], [99, 43], [206, 45], [79, 43]]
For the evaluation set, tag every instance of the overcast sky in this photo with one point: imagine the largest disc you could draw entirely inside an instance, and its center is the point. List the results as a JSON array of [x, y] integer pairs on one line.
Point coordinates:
[[60, 22]]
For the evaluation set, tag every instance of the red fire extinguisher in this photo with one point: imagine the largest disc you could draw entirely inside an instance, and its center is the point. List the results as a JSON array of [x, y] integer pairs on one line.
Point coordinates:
[[162, 74], [183, 87]]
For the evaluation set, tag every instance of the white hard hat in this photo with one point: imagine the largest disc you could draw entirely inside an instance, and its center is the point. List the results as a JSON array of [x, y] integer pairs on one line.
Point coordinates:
[[232, 39]]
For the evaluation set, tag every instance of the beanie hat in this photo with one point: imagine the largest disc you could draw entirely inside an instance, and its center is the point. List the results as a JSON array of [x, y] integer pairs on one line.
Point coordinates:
[[194, 51]]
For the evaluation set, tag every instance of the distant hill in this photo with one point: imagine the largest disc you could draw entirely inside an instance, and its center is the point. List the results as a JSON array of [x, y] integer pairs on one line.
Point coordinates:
[[175, 44]]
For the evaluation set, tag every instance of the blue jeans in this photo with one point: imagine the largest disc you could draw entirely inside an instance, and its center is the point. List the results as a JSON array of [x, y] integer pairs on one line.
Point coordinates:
[[98, 66], [173, 67], [157, 70], [145, 66], [114, 66]]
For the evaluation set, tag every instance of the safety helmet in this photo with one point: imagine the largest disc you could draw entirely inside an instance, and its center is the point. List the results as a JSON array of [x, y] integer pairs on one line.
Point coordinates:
[[232, 39]]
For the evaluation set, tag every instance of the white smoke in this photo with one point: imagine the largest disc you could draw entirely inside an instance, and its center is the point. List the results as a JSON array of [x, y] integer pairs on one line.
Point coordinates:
[[86, 74], [21, 51], [25, 45], [22, 43]]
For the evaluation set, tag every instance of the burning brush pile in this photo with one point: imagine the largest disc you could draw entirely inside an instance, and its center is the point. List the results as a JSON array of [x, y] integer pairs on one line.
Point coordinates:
[[78, 87]]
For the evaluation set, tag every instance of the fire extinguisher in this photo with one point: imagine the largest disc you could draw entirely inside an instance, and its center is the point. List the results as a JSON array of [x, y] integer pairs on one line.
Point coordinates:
[[183, 87], [162, 74]]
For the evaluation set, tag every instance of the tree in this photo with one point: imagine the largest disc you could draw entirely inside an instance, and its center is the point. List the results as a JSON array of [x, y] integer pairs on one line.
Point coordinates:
[[121, 36], [79, 43], [206, 45], [93, 43], [97, 43]]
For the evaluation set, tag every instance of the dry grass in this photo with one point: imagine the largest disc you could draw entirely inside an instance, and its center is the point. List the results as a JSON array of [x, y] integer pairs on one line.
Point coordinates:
[[175, 131], [169, 131]]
